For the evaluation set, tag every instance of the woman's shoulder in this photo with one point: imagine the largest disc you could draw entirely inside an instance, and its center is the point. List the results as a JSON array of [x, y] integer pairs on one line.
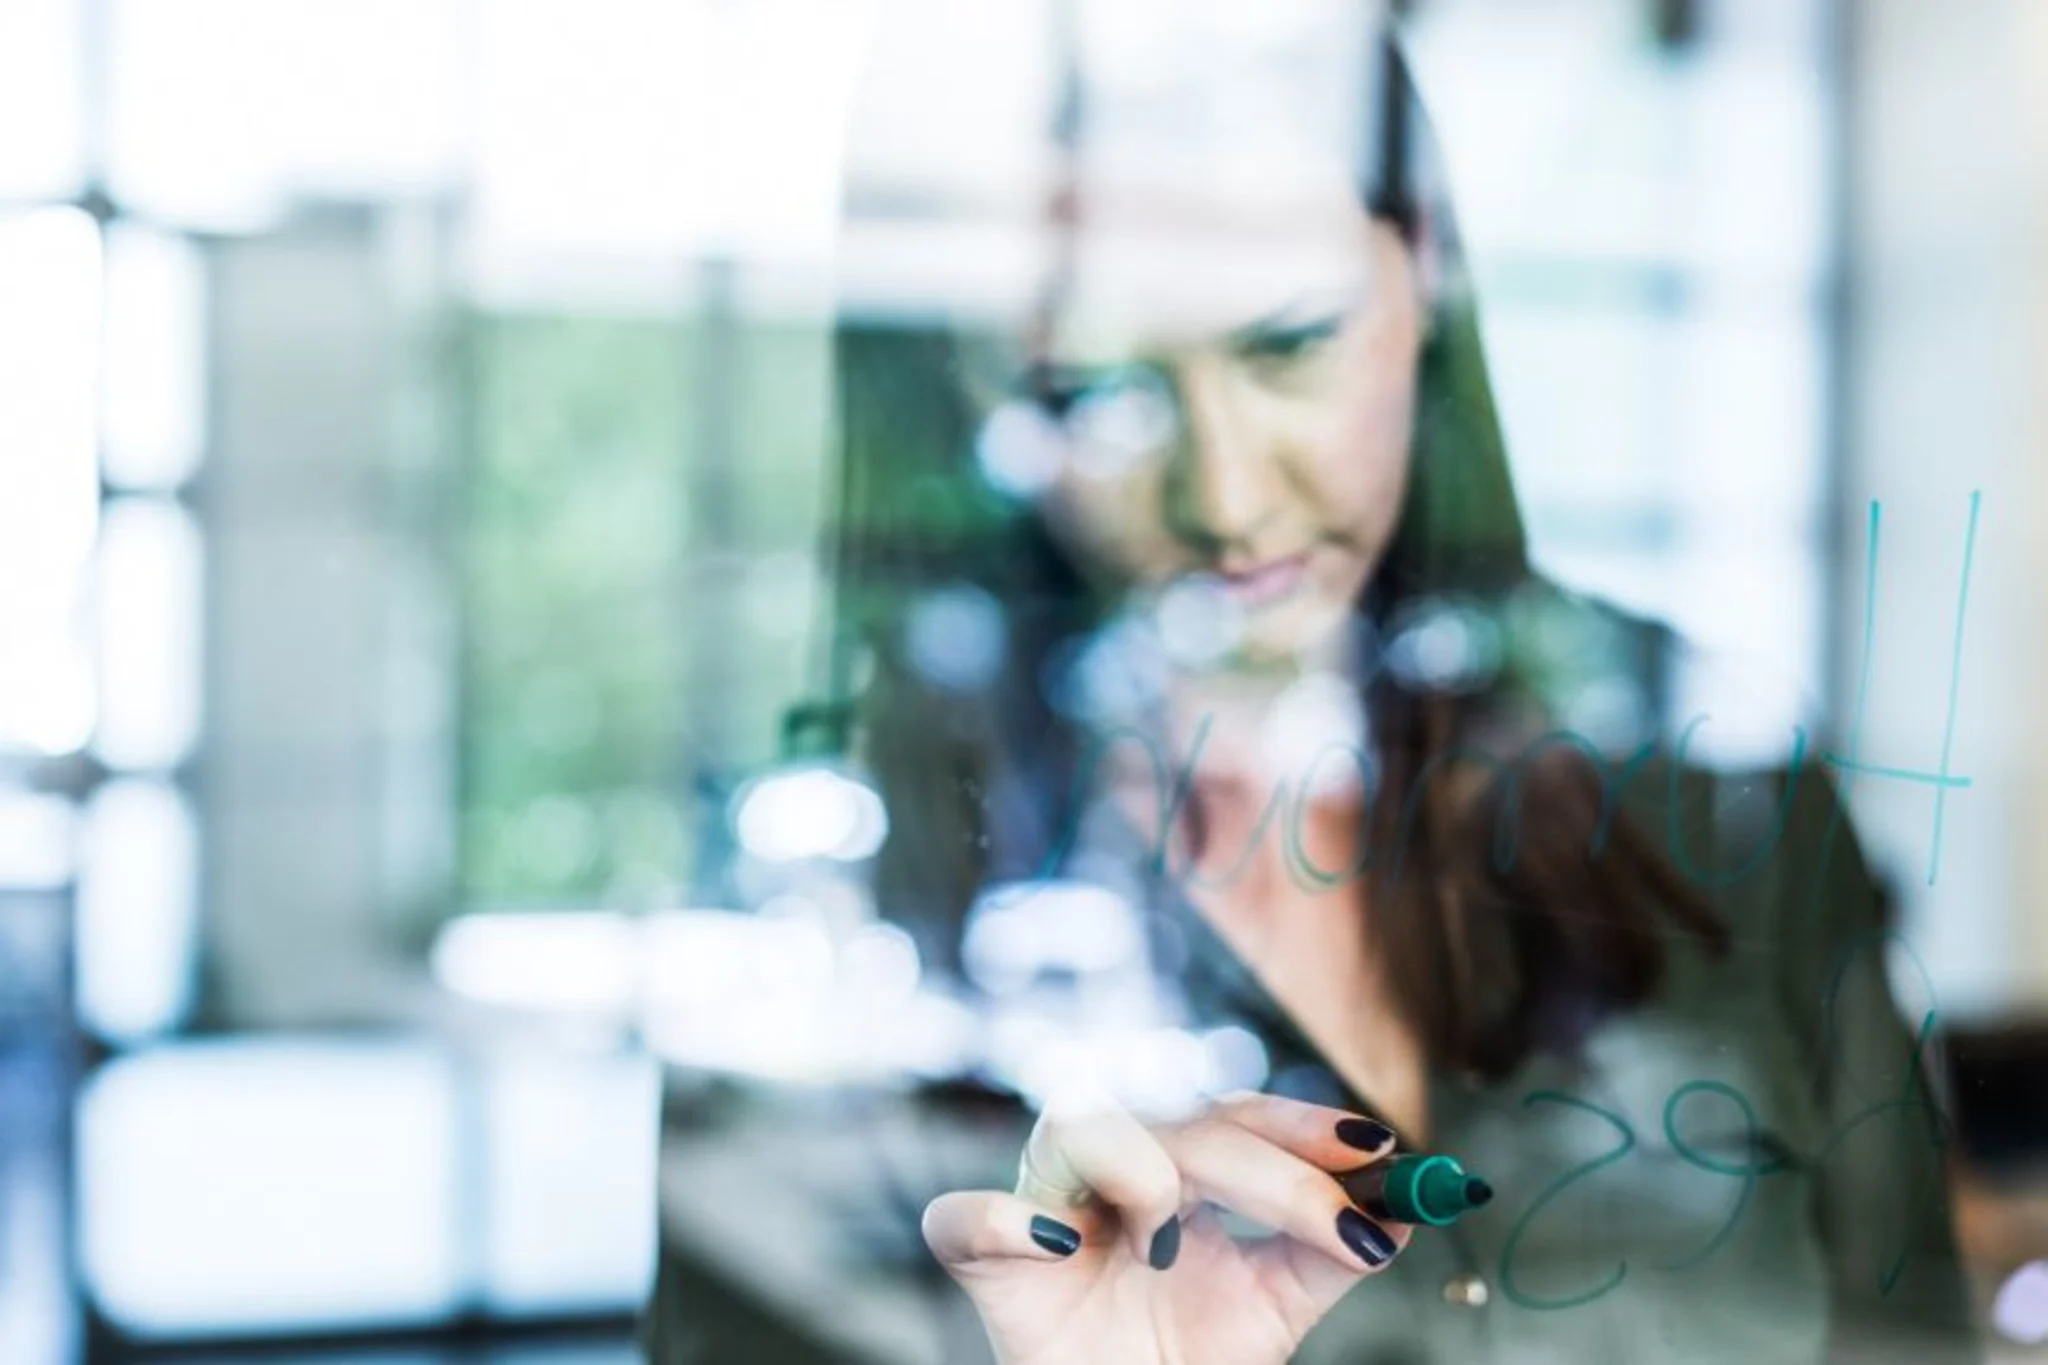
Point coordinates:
[[1718, 755], [1717, 745], [1613, 674]]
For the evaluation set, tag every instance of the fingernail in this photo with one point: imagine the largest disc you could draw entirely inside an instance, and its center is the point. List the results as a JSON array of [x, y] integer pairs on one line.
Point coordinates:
[[1165, 1244], [1054, 1235], [1367, 1135], [1364, 1237]]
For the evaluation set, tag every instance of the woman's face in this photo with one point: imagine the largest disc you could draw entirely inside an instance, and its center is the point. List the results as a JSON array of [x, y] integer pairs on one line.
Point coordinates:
[[1235, 409]]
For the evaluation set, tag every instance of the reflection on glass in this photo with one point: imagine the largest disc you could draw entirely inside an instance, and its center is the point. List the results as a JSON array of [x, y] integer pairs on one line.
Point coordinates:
[[41, 90], [49, 485], [148, 635], [207, 1200], [2021, 1308], [137, 910], [223, 111], [569, 1172], [154, 358], [738, 106], [36, 835], [573, 963], [811, 812]]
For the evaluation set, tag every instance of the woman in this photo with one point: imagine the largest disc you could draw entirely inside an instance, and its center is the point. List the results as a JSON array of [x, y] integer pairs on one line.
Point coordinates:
[[1275, 667]]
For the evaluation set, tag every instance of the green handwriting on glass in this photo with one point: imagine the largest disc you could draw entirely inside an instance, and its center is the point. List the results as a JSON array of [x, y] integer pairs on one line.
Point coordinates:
[[1914, 1160], [1172, 785]]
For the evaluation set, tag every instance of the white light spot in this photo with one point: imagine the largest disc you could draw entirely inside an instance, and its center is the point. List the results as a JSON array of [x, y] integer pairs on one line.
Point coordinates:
[[812, 812], [955, 638], [2021, 1308], [1198, 623], [1020, 929], [1121, 426], [576, 962], [1608, 712], [1020, 449], [1116, 676], [137, 911], [1237, 1060], [1161, 1074], [1315, 735], [880, 961], [1445, 646]]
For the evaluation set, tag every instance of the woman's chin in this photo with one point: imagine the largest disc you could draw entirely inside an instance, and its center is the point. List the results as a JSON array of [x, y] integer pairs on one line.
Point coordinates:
[[1286, 635]]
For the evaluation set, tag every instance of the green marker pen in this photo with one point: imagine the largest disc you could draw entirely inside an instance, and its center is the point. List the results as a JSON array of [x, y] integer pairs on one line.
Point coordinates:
[[1433, 1190]]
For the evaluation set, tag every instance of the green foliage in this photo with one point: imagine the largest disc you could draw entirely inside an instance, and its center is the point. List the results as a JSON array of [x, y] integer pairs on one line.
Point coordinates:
[[589, 593]]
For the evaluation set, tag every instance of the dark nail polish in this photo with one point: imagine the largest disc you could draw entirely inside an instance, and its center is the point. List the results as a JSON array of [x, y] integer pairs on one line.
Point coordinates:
[[1054, 1235], [1165, 1244], [1367, 1135], [1372, 1245]]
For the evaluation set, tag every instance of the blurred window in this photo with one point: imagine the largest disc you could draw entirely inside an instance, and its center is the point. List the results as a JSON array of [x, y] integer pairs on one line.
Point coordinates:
[[42, 88], [1647, 218], [640, 592], [1646, 221], [49, 483]]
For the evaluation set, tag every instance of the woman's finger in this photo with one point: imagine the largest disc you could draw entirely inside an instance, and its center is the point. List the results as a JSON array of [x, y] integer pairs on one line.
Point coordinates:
[[1227, 1164], [1333, 1139], [1102, 1153], [969, 1228]]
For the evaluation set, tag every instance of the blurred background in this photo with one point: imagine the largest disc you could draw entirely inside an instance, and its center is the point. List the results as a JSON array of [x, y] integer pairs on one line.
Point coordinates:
[[415, 428]]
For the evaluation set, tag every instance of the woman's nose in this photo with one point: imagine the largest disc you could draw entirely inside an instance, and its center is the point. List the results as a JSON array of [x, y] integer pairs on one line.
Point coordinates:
[[1225, 482]]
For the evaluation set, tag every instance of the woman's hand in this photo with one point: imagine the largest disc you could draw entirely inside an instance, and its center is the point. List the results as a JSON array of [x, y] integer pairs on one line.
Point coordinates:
[[1109, 1251]]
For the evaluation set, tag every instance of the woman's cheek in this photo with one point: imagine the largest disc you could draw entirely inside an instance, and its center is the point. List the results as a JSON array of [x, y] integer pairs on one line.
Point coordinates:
[[1115, 528], [1359, 462]]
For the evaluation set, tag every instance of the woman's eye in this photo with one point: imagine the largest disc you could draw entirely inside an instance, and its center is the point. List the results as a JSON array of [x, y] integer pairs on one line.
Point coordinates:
[[1057, 391], [1280, 342]]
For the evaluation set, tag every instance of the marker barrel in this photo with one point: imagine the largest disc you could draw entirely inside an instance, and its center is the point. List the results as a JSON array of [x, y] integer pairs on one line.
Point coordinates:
[[1431, 1190]]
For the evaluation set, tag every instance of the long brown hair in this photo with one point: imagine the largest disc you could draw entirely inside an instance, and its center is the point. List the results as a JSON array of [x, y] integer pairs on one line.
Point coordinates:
[[1500, 955]]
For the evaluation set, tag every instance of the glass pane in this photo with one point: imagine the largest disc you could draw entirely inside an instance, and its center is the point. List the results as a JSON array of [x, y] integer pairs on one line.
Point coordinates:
[[38, 1318], [739, 107], [626, 646], [570, 1176], [41, 100], [137, 910], [222, 112], [34, 971], [149, 607], [573, 563], [36, 834], [49, 480], [155, 360], [212, 1199], [1647, 228]]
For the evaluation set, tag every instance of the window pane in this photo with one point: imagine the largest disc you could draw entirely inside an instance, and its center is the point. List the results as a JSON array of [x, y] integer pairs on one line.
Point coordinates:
[[222, 112], [660, 129], [41, 100], [137, 910], [570, 1180], [49, 480], [155, 359], [148, 634], [208, 1202]]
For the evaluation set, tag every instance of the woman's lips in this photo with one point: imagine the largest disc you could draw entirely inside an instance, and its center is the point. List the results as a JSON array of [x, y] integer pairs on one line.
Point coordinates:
[[1263, 583]]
